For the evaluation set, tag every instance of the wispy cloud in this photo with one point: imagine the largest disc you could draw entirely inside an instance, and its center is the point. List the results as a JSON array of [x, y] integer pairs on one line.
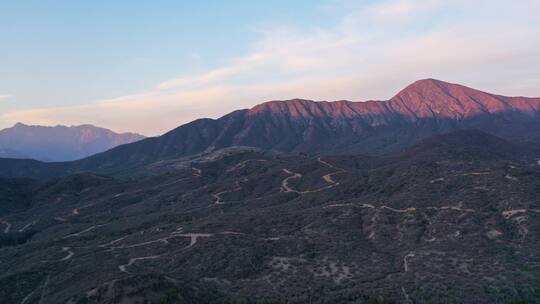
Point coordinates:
[[374, 51], [4, 97]]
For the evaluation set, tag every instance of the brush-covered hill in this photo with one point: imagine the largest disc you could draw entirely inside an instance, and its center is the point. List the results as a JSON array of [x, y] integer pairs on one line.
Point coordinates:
[[454, 219]]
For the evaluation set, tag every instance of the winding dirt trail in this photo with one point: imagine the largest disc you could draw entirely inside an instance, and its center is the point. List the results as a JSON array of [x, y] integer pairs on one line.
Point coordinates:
[[370, 206], [112, 242], [194, 237], [7, 224], [69, 255], [217, 196], [82, 231], [79, 233], [405, 261], [123, 268], [23, 229], [198, 172], [458, 207], [165, 240], [474, 173], [286, 188], [285, 183], [411, 209], [509, 213], [327, 178], [160, 240], [193, 240], [338, 205], [28, 296]]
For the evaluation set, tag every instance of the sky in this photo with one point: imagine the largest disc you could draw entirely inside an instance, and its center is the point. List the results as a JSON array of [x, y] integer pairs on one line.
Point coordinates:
[[149, 66]]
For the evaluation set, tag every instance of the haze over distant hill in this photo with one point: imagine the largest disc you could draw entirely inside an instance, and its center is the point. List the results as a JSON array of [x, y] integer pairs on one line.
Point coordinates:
[[59, 143], [10, 153]]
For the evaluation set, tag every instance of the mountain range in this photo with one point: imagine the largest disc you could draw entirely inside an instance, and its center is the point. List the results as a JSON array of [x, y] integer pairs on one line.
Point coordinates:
[[429, 197], [59, 143], [424, 108]]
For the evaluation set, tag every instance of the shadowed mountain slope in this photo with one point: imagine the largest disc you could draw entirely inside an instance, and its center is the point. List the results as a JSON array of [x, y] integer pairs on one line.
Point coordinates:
[[453, 219]]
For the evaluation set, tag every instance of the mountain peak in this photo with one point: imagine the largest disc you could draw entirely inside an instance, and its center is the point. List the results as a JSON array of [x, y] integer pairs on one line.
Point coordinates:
[[435, 98], [423, 99], [430, 82], [432, 86]]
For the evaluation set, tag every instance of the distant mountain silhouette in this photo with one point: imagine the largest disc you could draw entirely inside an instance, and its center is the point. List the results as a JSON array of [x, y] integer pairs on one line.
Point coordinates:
[[59, 143]]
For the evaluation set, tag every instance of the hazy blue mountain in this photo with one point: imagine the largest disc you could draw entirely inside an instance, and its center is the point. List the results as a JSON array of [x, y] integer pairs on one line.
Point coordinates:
[[10, 153], [59, 143]]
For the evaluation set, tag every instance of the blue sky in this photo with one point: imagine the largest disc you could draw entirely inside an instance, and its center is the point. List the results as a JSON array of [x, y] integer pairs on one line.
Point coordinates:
[[149, 66], [62, 52]]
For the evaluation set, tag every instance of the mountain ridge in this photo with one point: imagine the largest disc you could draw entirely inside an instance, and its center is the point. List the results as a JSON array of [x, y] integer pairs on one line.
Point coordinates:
[[61, 143], [415, 99], [425, 108], [301, 125]]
